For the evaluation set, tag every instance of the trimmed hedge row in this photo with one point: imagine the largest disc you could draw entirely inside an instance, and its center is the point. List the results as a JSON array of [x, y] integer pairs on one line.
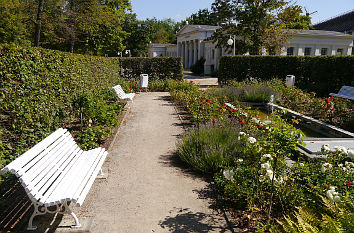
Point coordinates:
[[162, 67], [37, 87], [321, 74]]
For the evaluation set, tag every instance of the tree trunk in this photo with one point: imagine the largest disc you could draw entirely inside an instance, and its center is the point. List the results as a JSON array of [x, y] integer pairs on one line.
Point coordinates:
[[72, 27], [37, 33]]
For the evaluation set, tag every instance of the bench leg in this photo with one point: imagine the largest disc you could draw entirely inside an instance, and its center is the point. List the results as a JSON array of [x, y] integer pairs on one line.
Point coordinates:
[[67, 209], [37, 211]]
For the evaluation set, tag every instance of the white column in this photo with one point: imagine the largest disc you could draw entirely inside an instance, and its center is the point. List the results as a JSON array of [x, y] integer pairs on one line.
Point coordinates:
[[196, 50], [186, 55], [201, 50], [178, 48], [190, 57]]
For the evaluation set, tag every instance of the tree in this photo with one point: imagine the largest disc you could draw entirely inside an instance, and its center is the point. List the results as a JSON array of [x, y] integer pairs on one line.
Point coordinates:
[[37, 32], [257, 24], [12, 22], [202, 17]]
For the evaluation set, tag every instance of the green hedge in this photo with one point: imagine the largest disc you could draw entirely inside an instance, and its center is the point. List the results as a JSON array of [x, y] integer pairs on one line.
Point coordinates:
[[162, 67], [37, 87], [321, 74]]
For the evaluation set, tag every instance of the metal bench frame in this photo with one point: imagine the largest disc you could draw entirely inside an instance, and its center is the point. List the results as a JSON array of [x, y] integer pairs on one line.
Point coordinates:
[[55, 173], [346, 92]]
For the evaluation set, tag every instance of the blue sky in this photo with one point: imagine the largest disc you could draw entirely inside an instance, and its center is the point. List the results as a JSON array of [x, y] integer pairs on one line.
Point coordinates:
[[180, 9]]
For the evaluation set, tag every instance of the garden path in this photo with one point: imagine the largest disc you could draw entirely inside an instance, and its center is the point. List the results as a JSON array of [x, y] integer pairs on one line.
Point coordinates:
[[148, 189]]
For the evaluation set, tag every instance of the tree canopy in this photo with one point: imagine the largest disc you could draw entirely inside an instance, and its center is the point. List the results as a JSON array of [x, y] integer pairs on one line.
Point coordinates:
[[257, 24]]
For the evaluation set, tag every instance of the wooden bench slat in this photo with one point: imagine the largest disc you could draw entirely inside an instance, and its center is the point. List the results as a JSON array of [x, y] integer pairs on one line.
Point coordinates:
[[59, 185], [15, 165], [55, 170], [69, 186], [84, 193], [35, 167]]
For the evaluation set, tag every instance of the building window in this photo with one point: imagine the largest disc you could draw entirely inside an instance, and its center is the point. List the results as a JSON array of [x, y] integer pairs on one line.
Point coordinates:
[[339, 52], [307, 51], [324, 51], [290, 51]]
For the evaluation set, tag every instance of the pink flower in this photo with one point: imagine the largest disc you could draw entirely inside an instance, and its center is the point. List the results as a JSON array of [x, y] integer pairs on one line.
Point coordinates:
[[234, 120]]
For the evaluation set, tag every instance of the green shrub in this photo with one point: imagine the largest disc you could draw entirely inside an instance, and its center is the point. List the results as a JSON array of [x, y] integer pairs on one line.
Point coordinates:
[[313, 73], [163, 67], [37, 88], [210, 147], [198, 67]]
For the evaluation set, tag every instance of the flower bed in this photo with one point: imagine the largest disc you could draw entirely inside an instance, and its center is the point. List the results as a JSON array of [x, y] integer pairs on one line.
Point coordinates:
[[247, 158]]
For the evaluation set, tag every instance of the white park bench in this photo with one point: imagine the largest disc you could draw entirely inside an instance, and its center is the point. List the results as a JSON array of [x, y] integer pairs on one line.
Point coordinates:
[[121, 94], [346, 92], [56, 172]]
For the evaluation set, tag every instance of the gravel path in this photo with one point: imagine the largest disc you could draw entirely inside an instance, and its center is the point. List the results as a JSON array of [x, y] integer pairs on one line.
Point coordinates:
[[147, 189]]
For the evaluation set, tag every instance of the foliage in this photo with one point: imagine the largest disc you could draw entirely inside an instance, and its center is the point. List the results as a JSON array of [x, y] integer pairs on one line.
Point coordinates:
[[37, 87], [198, 67], [312, 73], [90, 26], [202, 17], [211, 146], [163, 67], [260, 24], [12, 28], [244, 93]]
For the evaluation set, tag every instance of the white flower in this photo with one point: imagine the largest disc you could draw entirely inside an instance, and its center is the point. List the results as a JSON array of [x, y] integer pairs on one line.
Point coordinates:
[[265, 166], [301, 164], [340, 149], [325, 148], [240, 160], [351, 154], [251, 140], [229, 174], [255, 120], [267, 156], [241, 134], [326, 166], [332, 194], [270, 173]]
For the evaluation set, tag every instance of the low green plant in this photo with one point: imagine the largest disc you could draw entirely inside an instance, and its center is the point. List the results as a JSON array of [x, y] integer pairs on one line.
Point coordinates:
[[92, 137]]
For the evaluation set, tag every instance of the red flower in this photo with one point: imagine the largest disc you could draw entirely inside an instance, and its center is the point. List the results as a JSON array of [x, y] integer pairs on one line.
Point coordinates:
[[233, 110], [283, 95], [349, 183], [242, 123], [191, 81], [260, 126], [130, 89], [332, 97], [213, 121], [206, 100], [224, 104], [345, 111], [326, 99], [234, 120]]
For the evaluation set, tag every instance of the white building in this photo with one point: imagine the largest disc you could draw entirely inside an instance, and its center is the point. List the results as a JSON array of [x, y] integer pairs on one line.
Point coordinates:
[[162, 50], [193, 43]]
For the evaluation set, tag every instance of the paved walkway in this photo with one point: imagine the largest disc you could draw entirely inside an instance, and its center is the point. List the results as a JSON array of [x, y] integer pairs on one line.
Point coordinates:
[[148, 190], [203, 81]]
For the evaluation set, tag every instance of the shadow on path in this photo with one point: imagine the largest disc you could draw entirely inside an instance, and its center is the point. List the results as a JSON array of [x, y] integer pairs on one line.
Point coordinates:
[[184, 220]]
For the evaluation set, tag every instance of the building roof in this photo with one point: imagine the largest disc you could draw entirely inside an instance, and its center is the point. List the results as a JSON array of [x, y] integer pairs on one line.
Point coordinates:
[[341, 23], [155, 45], [189, 27], [322, 33]]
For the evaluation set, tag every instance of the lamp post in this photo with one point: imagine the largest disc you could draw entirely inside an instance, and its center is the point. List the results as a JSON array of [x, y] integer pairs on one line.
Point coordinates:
[[128, 53], [232, 42]]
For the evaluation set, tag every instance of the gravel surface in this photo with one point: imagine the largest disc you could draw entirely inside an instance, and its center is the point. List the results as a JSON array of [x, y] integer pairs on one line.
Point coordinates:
[[148, 189]]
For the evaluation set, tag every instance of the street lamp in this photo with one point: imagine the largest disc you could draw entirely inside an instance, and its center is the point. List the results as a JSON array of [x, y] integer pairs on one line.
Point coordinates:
[[127, 52], [232, 42]]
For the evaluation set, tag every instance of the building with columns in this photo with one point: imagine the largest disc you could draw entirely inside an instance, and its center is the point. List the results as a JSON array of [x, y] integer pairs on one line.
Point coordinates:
[[193, 42]]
